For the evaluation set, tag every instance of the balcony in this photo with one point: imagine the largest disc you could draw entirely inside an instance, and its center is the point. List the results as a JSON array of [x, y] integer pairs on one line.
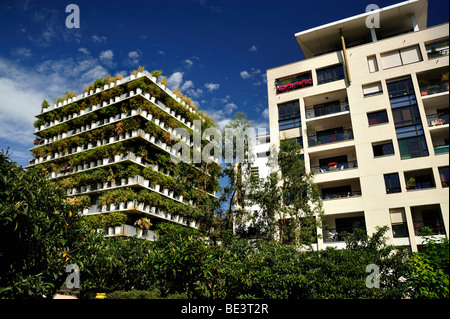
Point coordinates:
[[324, 137], [335, 167], [419, 179], [339, 195], [437, 119], [328, 109], [437, 49], [293, 83], [441, 149], [434, 87], [340, 228]]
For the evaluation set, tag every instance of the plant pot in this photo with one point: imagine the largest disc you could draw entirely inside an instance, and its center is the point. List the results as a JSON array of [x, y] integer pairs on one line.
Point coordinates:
[[117, 230]]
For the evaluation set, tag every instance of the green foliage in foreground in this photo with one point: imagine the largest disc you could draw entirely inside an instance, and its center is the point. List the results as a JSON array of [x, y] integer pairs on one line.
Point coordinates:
[[41, 234]]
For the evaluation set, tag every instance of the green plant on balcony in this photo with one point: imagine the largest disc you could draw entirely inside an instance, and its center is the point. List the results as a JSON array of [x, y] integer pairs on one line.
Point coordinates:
[[411, 183], [143, 224]]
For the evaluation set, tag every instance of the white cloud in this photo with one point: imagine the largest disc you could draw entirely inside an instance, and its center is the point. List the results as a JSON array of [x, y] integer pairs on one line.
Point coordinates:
[[175, 80], [84, 51], [98, 39], [265, 113], [133, 57], [187, 85], [161, 52], [212, 86], [188, 63], [254, 48], [21, 53], [195, 93], [107, 58], [245, 75], [229, 108]]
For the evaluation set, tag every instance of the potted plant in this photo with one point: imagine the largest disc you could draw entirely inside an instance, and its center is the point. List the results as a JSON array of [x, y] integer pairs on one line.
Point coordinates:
[[332, 166], [411, 183]]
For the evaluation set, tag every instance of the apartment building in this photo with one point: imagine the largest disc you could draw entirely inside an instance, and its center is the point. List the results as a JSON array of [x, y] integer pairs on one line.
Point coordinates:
[[117, 148], [370, 106]]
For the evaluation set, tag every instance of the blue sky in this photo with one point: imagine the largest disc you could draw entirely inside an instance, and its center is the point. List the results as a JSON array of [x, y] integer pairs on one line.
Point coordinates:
[[217, 52]]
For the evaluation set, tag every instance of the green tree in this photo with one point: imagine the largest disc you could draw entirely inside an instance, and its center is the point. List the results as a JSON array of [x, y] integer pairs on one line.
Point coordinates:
[[39, 233], [289, 201]]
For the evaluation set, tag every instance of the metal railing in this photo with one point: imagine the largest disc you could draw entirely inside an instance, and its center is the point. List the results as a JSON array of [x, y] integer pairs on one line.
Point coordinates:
[[331, 138], [330, 109], [340, 195], [338, 167], [437, 119]]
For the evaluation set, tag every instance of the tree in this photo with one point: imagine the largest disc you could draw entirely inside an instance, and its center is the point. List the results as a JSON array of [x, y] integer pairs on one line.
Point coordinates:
[[237, 140], [289, 201], [39, 232]]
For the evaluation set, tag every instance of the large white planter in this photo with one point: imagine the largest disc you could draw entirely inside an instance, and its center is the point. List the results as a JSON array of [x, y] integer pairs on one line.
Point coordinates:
[[118, 230], [166, 191], [157, 187], [152, 139]]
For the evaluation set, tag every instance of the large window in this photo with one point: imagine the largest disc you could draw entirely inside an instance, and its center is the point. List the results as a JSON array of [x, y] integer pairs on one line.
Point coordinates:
[[392, 183], [378, 117], [408, 124], [330, 74], [412, 147], [289, 115]]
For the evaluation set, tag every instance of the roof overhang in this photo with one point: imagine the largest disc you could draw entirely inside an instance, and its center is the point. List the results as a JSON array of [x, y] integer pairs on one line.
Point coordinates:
[[393, 20]]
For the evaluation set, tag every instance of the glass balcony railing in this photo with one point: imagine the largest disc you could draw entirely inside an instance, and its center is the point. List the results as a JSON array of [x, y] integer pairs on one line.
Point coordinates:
[[330, 109], [331, 138], [434, 87], [437, 227], [441, 149], [334, 235], [335, 168], [339, 195], [437, 119]]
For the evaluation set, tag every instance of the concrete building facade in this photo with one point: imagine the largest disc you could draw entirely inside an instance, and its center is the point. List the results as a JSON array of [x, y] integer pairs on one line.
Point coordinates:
[[370, 106]]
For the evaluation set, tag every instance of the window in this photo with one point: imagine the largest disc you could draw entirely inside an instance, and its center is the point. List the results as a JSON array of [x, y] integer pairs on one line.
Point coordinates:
[[293, 82], [408, 124], [443, 173], [400, 57], [378, 117], [392, 183], [289, 115], [330, 74], [383, 149], [412, 147], [372, 89], [372, 63]]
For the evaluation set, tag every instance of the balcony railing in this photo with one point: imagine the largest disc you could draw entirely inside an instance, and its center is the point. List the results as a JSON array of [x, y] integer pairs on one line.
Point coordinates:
[[341, 195], [331, 138], [441, 149], [335, 168], [437, 49], [334, 235], [330, 109], [434, 88], [437, 119], [437, 228]]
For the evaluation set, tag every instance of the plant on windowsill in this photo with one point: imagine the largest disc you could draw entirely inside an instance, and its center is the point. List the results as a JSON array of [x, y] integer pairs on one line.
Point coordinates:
[[411, 183]]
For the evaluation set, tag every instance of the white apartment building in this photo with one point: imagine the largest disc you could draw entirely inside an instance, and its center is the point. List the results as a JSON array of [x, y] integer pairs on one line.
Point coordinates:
[[370, 106]]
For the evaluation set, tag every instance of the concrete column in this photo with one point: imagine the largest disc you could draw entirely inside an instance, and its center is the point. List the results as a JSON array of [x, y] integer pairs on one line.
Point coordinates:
[[373, 34], [410, 225], [414, 22]]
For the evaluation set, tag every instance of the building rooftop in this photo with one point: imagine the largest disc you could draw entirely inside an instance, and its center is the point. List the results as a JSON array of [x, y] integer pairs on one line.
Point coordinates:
[[393, 20]]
